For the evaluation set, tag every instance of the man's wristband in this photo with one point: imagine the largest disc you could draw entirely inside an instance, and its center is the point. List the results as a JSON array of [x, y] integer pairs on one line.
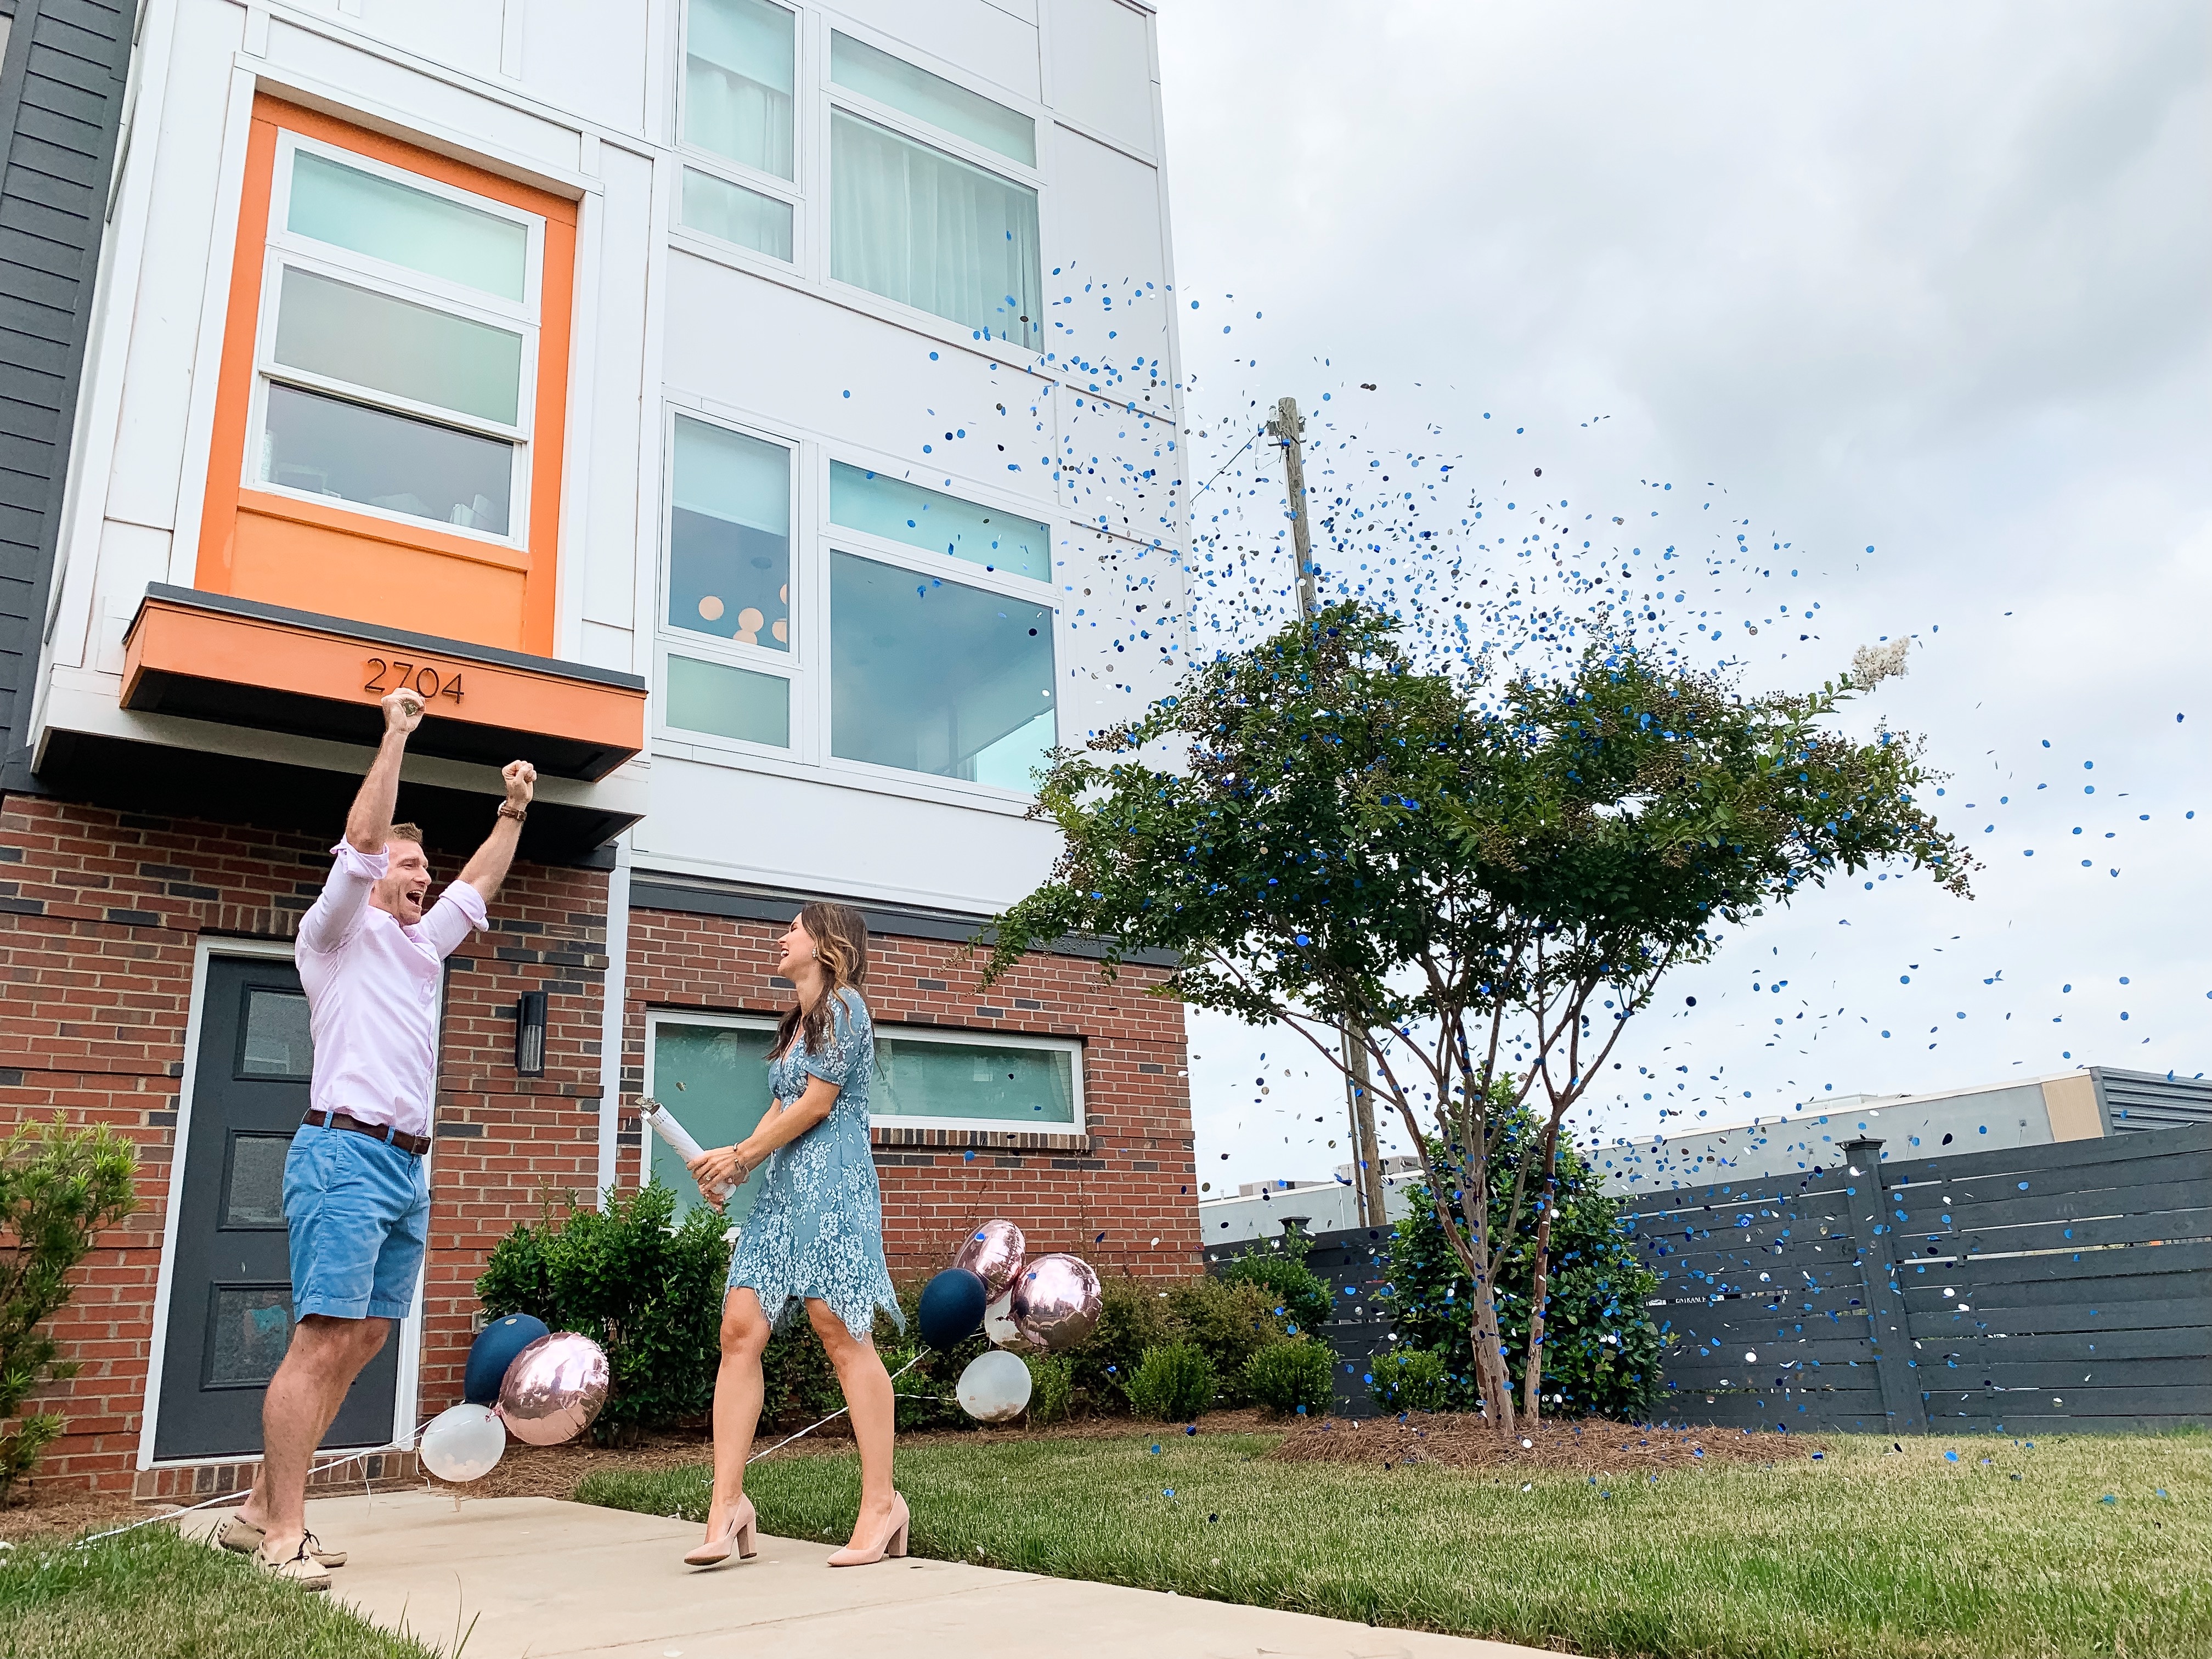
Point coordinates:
[[509, 810]]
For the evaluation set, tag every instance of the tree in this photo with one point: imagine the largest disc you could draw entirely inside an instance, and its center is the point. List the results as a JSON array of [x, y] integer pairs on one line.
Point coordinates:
[[1488, 880], [1599, 1351]]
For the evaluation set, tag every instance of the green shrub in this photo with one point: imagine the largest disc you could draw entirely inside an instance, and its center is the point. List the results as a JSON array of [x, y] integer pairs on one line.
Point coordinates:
[[1601, 1351], [1301, 1298], [648, 1292], [1132, 1316], [1051, 1387], [1228, 1323], [1291, 1377], [58, 1188], [1173, 1383], [1412, 1379]]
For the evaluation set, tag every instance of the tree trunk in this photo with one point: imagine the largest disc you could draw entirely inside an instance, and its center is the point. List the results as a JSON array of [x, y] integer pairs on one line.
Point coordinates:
[[1532, 1377], [1490, 1376]]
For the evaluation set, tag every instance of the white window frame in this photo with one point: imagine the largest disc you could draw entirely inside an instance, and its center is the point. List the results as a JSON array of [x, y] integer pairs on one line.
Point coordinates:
[[284, 248], [834, 97], [951, 1034], [700, 158], [786, 665], [831, 539]]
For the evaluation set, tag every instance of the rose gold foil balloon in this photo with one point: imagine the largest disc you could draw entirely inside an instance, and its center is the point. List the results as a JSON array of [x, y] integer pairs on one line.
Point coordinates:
[[993, 1253], [554, 1389], [1056, 1301]]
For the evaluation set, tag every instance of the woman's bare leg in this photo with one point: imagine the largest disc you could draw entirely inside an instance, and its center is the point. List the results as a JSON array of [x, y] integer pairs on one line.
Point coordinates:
[[868, 1396], [736, 1399]]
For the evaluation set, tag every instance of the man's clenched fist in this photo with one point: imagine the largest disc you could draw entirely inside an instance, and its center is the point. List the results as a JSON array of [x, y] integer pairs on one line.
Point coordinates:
[[403, 711], [522, 782]]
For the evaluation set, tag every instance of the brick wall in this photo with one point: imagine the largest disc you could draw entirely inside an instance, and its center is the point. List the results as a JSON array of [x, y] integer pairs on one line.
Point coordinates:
[[1132, 1178], [100, 914]]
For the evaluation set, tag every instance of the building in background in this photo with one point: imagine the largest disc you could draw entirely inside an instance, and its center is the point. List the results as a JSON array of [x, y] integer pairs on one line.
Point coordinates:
[[705, 399], [2090, 1104], [1268, 1209]]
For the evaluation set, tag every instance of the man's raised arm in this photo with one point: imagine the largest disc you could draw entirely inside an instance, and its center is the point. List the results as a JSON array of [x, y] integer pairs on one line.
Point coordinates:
[[488, 867], [368, 825], [359, 860]]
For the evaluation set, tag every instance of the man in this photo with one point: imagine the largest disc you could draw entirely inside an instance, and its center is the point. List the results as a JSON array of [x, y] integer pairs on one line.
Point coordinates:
[[356, 1200]]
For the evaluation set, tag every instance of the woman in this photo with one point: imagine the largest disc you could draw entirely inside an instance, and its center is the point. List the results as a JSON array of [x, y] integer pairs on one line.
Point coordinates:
[[815, 1232]]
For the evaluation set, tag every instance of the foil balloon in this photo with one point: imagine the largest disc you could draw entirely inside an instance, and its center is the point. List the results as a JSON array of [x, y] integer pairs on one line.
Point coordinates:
[[554, 1389], [1056, 1301], [999, 1322], [994, 1388], [463, 1443], [993, 1253]]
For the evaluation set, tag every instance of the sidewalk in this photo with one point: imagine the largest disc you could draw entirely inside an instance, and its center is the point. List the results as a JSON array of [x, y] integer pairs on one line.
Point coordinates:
[[543, 1578]]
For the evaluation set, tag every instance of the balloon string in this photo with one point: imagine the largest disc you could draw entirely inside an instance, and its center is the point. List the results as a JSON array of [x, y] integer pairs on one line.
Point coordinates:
[[229, 1497], [832, 1416]]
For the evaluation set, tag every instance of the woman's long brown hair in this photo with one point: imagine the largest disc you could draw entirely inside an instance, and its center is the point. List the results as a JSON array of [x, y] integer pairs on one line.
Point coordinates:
[[841, 946]]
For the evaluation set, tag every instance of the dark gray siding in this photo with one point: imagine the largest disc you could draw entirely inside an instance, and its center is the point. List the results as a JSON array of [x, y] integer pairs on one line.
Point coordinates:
[[61, 81]]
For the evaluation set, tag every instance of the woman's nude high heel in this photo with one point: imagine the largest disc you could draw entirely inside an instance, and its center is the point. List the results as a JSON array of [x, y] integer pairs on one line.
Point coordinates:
[[891, 1540], [739, 1532]]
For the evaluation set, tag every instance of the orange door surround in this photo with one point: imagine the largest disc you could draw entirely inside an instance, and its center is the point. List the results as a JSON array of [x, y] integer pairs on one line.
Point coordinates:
[[260, 545]]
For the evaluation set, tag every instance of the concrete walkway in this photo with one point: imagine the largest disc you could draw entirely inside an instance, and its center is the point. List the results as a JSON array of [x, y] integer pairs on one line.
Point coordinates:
[[543, 1578]]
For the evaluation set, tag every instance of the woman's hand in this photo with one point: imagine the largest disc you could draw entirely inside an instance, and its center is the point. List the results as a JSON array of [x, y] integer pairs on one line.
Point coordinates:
[[716, 1167]]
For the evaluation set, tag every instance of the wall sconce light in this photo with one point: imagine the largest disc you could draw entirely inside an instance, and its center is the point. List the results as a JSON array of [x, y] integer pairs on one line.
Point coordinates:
[[530, 1034]]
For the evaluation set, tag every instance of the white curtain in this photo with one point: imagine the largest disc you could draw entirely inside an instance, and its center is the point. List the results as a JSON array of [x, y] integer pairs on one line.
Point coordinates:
[[917, 225]]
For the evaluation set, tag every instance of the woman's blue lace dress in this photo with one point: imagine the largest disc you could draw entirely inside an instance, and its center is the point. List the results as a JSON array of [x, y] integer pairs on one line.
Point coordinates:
[[817, 1229]]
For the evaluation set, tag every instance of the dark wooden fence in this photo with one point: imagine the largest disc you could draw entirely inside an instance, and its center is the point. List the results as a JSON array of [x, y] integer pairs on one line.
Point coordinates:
[[2044, 1288]]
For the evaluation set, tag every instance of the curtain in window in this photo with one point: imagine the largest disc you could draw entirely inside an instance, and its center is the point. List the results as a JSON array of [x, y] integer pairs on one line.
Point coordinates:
[[915, 225], [738, 82]]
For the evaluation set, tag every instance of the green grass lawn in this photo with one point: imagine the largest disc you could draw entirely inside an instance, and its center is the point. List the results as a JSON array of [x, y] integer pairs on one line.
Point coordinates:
[[153, 1594], [2079, 1545]]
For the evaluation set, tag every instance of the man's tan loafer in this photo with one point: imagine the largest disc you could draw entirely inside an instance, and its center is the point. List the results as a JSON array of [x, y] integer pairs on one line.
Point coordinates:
[[301, 1569], [242, 1535]]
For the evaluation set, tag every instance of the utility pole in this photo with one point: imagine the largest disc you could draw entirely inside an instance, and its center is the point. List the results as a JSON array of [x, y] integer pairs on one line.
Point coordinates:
[[1288, 429]]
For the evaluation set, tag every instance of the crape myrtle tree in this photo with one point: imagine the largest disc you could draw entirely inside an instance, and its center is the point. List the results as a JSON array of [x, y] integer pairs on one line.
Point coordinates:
[[1488, 881]]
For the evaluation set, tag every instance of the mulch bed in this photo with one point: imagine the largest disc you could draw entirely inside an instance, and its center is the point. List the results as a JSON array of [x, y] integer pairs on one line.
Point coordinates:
[[556, 1471], [1461, 1440]]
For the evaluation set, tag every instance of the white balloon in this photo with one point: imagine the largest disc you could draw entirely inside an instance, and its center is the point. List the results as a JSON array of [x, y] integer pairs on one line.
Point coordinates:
[[999, 1322], [464, 1443], [994, 1388]]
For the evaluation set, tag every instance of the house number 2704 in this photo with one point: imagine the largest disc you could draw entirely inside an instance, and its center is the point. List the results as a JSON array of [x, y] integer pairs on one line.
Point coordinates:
[[426, 680]]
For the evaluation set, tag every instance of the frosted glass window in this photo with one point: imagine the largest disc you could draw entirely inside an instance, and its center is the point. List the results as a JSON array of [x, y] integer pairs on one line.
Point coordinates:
[[929, 230], [737, 214], [935, 676], [903, 512], [728, 702], [253, 1185], [858, 67], [251, 1328], [393, 345], [275, 1038], [729, 561], [350, 209], [329, 447], [715, 1079], [738, 82], [1029, 1087]]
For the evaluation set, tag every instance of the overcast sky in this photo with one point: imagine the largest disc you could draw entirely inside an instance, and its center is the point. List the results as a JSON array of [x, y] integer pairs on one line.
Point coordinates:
[[1927, 280]]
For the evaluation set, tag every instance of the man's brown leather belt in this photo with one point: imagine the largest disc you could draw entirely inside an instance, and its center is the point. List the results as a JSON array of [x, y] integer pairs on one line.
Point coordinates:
[[416, 1145]]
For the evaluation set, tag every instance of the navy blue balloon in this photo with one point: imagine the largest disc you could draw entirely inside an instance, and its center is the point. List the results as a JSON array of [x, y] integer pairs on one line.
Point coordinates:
[[951, 1308], [493, 1352]]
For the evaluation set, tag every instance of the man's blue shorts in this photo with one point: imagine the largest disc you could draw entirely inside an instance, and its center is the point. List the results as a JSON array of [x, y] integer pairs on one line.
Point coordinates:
[[359, 1213]]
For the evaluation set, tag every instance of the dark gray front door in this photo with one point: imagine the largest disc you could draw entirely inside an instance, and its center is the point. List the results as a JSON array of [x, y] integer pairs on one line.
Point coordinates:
[[230, 1308]]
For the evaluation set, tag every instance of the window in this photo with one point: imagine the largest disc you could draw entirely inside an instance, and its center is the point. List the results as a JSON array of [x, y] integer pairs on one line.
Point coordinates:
[[930, 675], [857, 67], [968, 1078], [397, 364], [729, 584], [712, 1073], [901, 512], [739, 76], [915, 222]]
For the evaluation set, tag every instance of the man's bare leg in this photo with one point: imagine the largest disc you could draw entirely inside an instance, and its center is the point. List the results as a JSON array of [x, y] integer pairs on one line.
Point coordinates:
[[304, 1397]]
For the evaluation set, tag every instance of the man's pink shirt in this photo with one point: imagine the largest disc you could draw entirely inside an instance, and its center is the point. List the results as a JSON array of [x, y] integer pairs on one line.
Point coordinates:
[[372, 992]]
